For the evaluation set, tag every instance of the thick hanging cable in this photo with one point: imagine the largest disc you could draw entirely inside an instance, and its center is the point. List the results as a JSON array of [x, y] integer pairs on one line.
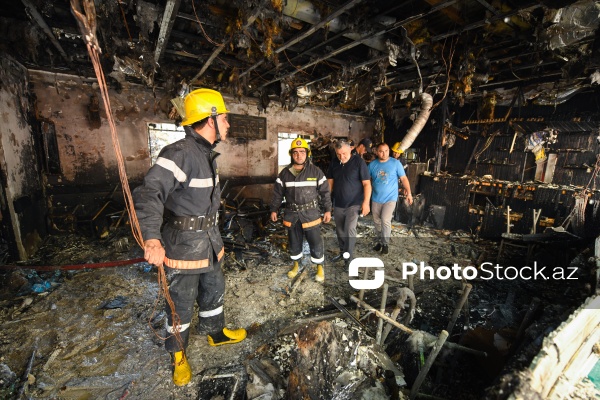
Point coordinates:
[[87, 25]]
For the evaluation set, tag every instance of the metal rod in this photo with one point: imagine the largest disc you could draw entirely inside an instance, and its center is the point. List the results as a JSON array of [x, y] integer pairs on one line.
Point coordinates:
[[430, 359]]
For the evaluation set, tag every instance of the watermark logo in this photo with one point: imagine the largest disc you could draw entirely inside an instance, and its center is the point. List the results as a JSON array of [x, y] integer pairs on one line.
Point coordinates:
[[486, 271], [367, 262]]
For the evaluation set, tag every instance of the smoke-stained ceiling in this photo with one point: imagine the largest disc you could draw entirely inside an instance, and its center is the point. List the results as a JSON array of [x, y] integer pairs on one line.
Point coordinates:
[[358, 56]]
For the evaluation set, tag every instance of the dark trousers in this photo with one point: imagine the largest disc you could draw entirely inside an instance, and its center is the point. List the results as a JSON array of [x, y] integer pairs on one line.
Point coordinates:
[[208, 290], [296, 236], [346, 220]]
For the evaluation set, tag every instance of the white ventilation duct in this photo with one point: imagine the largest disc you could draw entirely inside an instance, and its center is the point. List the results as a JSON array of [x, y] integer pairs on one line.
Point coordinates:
[[413, 132]]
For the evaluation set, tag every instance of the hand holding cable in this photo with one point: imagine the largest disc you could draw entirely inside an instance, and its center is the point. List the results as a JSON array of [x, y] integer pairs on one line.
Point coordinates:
[[154, 252]]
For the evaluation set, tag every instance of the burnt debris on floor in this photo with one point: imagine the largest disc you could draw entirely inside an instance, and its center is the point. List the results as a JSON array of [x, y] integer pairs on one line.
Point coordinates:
[[95, 332]]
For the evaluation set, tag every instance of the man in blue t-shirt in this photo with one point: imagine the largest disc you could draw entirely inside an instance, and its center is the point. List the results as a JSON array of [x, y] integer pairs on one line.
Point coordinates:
[[350, 185], [385, 173]]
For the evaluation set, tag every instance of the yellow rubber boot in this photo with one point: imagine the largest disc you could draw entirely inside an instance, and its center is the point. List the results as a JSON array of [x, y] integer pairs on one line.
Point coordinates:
[[182, 374], [320, 276], [227, 336], [294, 271]]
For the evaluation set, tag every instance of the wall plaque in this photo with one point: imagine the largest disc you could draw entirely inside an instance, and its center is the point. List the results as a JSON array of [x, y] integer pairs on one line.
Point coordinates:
[[247, 127]]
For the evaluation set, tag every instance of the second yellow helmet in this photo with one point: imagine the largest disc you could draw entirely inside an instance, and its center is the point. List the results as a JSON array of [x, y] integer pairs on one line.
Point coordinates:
[[300, 143]]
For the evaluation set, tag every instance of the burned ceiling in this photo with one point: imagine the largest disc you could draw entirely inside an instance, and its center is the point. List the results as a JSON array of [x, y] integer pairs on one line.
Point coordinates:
[[358, 56]]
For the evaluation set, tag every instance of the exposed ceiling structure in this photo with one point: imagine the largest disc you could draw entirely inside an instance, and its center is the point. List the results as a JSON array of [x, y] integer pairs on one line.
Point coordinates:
[[357, 55]]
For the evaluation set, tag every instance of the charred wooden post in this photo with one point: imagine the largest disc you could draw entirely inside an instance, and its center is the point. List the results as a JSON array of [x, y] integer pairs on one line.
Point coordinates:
[[430, 359], [459, 306], [296, 282], [382, 310], [405, 293], [381, 315], [533, 306], [406, 329], [361, 294]]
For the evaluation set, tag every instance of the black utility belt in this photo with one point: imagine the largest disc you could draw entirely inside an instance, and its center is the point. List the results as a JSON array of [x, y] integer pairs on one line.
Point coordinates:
[[194, 223], [302, 207]]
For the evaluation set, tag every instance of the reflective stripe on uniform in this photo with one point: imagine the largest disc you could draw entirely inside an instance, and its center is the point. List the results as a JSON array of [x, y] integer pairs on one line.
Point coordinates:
[[192, 264], [210, 313], [279, 181], [221, 254], [317, 260], [181, 328], [171, 166], [322, 180], [296, 257], [287, 224], [301, 184], [186, 264], [201, 183], [311, 223]]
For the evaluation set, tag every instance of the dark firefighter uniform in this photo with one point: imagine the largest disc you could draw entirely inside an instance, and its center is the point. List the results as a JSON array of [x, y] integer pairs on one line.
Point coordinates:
[[185, 179], [303, 195]]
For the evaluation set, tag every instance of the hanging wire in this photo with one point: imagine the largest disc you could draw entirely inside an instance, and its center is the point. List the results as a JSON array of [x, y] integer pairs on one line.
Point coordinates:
[[125, 21], [87, 25], [202, 27]]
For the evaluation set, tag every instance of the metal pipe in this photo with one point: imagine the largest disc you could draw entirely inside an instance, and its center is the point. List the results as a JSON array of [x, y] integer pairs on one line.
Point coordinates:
[[417, 127]]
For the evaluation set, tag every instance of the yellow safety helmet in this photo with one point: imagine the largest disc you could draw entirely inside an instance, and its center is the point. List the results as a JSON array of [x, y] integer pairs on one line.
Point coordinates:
[[202, 103], [396, 148], [300, 143]]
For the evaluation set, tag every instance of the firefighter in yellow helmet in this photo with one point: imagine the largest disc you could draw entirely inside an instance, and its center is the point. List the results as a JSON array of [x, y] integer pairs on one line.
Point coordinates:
[[306, 191], [396, 150], [183, 185]]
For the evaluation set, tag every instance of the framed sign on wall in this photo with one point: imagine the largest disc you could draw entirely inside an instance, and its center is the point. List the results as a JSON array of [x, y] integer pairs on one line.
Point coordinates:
[[247, 127]]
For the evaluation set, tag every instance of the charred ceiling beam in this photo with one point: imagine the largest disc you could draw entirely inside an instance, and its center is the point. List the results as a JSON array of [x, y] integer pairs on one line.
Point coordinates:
[[450, 12], [220, 48], [362, 64], [309, 32], [307, 52], [486, 21], [409, 80], [37, 17], [165, 27], [361, 40]]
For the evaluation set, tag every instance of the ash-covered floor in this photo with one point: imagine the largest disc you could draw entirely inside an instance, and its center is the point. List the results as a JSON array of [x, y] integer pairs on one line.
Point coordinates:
[[95, 333]]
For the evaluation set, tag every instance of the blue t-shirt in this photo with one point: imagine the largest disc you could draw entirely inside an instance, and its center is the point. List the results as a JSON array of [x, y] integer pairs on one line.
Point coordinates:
[[384, 179], [347, 181]]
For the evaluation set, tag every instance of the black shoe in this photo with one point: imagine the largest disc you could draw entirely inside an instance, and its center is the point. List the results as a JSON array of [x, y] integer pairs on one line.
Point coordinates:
[[384, 249], [337, 258], [377, 247]]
